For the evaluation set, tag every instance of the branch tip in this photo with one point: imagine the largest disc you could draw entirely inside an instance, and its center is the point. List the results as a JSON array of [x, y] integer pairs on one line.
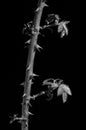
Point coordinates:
[[43, 4]]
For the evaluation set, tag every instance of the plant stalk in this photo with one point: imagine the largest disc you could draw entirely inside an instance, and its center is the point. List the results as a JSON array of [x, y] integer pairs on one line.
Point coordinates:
[[30, 64]]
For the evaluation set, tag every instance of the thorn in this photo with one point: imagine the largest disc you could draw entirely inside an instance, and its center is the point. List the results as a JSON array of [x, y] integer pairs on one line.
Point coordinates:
[[22, 84], [28, 42], [37, 9], [30, 113], [33, 75], [24, 95], [28, 68], [30, 104], [32, 82], [44, 4], [28, 101], [38, 47]]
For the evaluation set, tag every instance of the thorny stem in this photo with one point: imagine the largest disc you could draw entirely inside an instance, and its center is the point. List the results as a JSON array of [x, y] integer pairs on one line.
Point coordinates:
[[30, 65]]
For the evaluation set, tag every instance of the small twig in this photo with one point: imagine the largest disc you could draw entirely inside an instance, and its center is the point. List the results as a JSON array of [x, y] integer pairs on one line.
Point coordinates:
[[20, 119], [36, 95], [48, 26], [17, 118]]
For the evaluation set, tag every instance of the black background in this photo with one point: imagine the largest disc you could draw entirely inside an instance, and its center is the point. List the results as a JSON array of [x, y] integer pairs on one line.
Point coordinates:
[[60, 58]]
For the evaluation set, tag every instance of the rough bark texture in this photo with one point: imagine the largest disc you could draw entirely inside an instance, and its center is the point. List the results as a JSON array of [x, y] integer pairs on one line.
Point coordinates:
[[29, 66]]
